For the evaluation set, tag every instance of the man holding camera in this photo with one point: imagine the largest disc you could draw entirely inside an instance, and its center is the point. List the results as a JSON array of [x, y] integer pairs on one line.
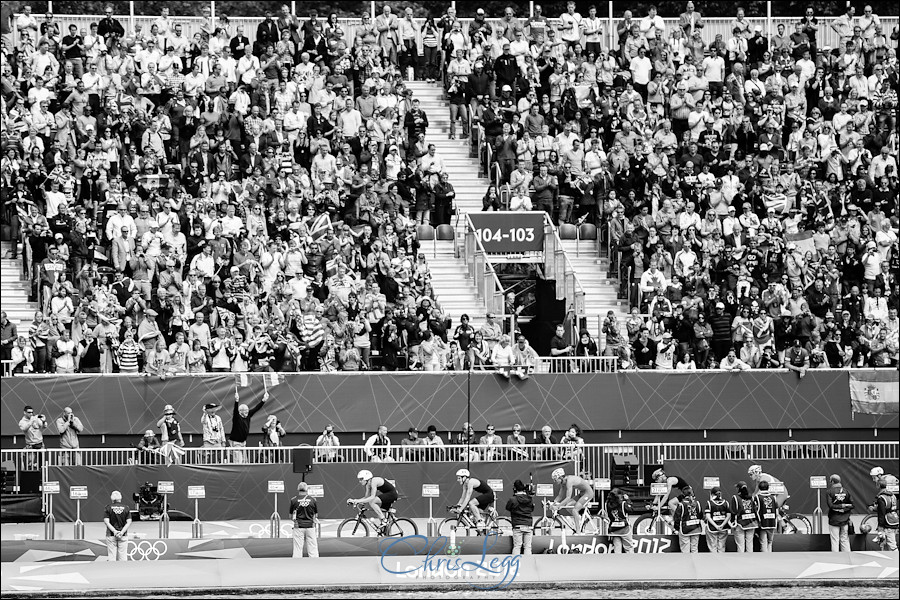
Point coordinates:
[[69, 426], [33, 427], [213, 431]]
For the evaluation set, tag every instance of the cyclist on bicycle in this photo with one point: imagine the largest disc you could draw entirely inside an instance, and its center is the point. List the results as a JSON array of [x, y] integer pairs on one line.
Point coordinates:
[[476, 494], [574, 493], [756, 474], [380, 495], [672, 498]]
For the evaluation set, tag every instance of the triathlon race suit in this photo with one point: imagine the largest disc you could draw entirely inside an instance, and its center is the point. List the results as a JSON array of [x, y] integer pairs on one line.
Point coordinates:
[[581, 494], [485, 495], [387, 493], [675, 492]]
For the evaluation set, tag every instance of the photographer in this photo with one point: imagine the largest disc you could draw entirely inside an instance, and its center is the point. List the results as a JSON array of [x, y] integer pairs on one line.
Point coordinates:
[[69, 426], [328, 445], [170, 433], [33, 427], [213, 432]]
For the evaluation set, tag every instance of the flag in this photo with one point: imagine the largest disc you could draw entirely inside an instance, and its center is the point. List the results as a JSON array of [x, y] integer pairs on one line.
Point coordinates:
[[243, 380], [331, 268], [320, 226], [875, 392], [803, 240], [273, 379]]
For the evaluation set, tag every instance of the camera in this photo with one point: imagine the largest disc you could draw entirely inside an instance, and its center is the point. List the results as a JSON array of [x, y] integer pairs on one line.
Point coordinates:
[[148, 501]]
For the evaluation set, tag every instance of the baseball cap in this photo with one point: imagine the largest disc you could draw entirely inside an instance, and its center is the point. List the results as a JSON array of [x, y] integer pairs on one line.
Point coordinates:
[[169, 410], [480, 11], [720, 305], [506, 88]]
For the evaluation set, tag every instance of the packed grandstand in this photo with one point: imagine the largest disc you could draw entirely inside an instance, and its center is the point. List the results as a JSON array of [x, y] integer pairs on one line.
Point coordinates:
[[194, 196]]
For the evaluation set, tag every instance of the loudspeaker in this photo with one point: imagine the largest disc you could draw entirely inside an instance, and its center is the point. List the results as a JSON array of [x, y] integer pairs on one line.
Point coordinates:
[[29, 482], [303, 459]]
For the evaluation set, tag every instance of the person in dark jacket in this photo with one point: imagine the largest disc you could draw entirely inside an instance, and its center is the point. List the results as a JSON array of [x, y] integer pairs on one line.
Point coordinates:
[[304, 511], [886, 509], [840, 504], [521, 508]]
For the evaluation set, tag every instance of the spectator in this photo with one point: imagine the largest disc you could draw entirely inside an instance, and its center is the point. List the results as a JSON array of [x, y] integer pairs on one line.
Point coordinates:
[[840, 505], [378, 446], [521, 508], [69, 426], [327, 446]]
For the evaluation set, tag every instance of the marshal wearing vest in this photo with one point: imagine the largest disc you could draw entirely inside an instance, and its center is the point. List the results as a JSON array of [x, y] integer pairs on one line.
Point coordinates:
[[688, 522], [744, 508], [767, 514], [717, 521]]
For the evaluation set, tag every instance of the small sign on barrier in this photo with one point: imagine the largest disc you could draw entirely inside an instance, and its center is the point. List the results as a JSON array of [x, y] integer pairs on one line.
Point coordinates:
[[818, 482], [710, 482], [495, 484], [776, 487], [316, 490], [603, 484], [659, 489], [165, 487], [196, 492], [893, 488], [545, 489], [276, 487], [50, 487], [431, 490], [78, 492]]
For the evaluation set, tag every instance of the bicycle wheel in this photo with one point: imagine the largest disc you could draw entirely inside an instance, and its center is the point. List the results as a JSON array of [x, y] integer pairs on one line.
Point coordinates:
[[797, 523], [353, 528], [447, 526], [401, 528], [592, 525], [539, 525], [646, 525], [871, 521], [502, 526]]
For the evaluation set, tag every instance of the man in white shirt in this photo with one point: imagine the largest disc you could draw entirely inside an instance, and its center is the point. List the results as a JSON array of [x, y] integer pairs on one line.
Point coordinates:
[[640, 72], [194, 83], [570, 25], [231, 224], [118, 221], [714, 72], [880, 164], [350, 120], [652, 26], [247, 66], [204, 263]]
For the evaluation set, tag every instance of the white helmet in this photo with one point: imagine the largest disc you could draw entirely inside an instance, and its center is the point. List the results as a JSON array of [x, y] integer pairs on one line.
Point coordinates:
[[364, 475], [754, 470], [463, 473], [876, 472], [557, 474]]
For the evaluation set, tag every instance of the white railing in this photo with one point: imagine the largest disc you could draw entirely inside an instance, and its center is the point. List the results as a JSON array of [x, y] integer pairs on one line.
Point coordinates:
[[576, 364], [480, 270], [712, 26], [596, 459]]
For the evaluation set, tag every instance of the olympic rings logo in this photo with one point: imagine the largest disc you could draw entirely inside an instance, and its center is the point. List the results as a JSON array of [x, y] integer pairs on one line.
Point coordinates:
[[145, 550], [258, 530]]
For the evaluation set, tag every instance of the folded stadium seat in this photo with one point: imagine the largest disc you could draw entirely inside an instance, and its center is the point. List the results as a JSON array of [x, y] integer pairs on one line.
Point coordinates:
[[736, 451], [587, 231], [445, 232], [816, 449], [567, 231]]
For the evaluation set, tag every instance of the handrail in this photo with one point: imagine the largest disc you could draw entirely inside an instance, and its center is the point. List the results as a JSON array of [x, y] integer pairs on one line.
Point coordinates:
[[481, 271], [495, 170], [597, 458], [505, 195], [559, 267]]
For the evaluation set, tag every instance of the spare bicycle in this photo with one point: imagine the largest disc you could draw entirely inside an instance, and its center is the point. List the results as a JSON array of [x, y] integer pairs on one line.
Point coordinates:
[[556, 524]]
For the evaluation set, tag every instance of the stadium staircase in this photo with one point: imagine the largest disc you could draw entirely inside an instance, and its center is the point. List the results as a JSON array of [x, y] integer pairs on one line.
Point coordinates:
[[14, 290], [455, 292]]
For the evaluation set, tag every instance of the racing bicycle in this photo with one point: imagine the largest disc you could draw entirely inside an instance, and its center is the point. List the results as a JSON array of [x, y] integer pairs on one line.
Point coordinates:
[[363, 526], [587, 524], [465, 521]]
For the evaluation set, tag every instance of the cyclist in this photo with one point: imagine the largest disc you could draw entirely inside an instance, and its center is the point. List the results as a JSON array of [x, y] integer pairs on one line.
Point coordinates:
[[756, 474], [574, 493], [476, 494], [380, 495], [878, 475], [672, 498]]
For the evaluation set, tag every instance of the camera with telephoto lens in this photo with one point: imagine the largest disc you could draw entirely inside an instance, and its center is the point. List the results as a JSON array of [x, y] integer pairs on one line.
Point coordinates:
[[149, 502]]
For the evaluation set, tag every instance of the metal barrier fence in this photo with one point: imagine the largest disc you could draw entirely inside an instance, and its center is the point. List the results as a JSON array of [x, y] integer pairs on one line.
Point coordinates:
[[595, 459], [712, 26]]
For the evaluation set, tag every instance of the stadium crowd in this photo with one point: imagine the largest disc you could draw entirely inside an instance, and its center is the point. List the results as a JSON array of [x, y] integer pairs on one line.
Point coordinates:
[[212, 204], [748, 185]]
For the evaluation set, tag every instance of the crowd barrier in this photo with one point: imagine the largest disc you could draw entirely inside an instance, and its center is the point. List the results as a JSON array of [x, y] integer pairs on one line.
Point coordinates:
[[239, 490], [354, 402], [712, 26]]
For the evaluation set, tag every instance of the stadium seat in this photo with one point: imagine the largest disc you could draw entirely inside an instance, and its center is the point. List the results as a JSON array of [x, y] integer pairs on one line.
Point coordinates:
[[736, 451], [791, 449], [568, 232], [587, 231], [445, 232], [425, 233]]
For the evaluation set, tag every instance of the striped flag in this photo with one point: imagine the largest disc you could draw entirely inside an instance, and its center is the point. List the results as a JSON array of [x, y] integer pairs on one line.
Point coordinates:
[[320, 226], [875, 392], [313, 332], [242, 380], [273, 379]]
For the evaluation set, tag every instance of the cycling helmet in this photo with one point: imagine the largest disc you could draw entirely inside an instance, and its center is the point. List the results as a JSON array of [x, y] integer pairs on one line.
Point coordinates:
[[657, 474], [876, 472], [754, 470], [463, 473], [557, 474], [364, 475]]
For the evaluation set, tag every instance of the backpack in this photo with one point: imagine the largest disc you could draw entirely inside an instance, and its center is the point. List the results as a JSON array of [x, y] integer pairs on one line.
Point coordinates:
[[891, 516]]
